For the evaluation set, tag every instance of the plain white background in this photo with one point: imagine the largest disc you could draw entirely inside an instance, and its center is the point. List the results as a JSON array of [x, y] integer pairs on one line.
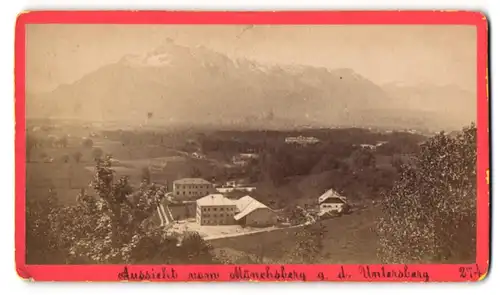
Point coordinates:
[[12, 284]]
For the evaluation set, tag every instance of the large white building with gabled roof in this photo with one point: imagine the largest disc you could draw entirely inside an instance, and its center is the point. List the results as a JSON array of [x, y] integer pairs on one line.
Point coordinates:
[[215, 209], [253, 213]]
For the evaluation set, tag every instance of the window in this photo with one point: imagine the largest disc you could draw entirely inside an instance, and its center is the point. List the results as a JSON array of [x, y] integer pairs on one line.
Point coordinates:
[[178, 192], [221, 215]]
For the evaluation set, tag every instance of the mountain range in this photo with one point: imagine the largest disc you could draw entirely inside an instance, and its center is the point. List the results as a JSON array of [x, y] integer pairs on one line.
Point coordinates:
[[196, 85]]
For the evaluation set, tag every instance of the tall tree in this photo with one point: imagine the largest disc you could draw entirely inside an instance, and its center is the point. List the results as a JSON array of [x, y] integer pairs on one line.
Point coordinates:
[[114, 194], [430, 214], [195, 172], [97, 153], [77, 156], [146, 175]]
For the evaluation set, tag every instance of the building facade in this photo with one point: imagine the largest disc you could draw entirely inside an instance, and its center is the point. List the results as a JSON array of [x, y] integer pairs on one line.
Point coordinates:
[[215, 209], [331, 201], [259, 217], [191, 188], [302, 140], [253, 213]]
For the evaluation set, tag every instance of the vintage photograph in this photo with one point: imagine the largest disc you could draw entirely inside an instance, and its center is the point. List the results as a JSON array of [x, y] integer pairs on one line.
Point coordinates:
[[251, 144]]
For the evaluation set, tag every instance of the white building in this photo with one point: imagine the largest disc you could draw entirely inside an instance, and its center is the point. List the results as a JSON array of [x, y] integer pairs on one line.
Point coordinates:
[[191, 188], [249, 156], [331, 201], [254, 213], [302, 140], [215, 209]]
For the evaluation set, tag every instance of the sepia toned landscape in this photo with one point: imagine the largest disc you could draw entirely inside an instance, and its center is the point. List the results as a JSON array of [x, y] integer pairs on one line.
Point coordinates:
[[163, 144]]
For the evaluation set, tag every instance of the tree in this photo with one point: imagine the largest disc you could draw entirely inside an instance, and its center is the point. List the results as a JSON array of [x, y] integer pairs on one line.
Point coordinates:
[[146, 175], [65, 158], [308, 244], [77, 156], [195, 172], [363, 158], [62, 141], [43, 245], [430, 214], [87, 143], [97, 153], [397, 163], [31, 143]]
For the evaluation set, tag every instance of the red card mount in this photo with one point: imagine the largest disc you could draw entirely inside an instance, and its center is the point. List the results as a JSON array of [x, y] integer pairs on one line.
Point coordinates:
[[259, 272]]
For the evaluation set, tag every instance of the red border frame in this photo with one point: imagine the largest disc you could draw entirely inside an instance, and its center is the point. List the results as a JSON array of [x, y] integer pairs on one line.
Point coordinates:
[[437, 272]]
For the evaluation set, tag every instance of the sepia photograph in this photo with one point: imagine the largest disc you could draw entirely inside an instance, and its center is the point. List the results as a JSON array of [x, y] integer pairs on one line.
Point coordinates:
[[165, 144]]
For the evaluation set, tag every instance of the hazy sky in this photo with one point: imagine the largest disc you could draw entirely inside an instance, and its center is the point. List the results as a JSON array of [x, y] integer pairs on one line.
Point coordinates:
[[58, 54]]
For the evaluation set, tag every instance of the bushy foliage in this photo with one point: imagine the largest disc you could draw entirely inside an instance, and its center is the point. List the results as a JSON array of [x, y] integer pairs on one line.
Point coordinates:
[[146, 174], [430, 214], [363, 158], [97, 153], [308, 244], [42, 241], [87, 143]]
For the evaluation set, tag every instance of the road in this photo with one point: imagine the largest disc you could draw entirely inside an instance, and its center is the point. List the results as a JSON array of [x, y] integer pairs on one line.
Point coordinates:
[[252, 232]]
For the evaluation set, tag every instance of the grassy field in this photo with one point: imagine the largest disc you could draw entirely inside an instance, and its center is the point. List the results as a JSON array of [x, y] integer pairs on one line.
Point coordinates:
[[66, 178], [350, 239]]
